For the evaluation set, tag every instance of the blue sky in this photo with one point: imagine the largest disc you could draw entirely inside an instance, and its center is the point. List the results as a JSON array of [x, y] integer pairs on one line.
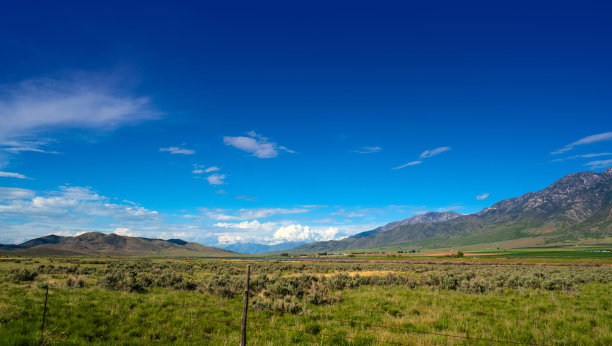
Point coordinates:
[[273, 122]]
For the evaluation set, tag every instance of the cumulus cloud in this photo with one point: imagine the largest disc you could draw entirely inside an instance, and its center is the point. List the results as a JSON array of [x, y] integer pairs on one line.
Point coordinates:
[[601, 137], [211, 169], [256, 144], [12, 175], [274, 233], [216, 179], [482, 196], [368, 150], [434, 152], [177, 150], [249, 214], [304, 233], [599, 164], [35, 107]]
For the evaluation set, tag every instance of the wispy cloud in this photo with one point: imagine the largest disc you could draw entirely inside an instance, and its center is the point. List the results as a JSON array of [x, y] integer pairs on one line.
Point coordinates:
[[7, 193], [424, 155], [412, 163], [367, 150], [584, 156], [177, 150], [599, 164], [35, 107], [12, 175], [346, 213], [198, 169], [256, 144], [601, 137], [482, 196], [246, 198], [434, 152], [216, 179], [249, 214]]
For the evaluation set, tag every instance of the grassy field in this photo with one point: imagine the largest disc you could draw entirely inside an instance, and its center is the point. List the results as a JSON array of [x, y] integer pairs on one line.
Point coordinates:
[[195, 301]]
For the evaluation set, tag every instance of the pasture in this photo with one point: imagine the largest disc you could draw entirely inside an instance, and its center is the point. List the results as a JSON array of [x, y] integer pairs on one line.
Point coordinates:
[[196, 301]]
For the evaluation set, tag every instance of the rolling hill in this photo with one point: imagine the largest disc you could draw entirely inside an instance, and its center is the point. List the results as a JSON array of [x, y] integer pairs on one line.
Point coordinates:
[[575, 207], [95, 243]]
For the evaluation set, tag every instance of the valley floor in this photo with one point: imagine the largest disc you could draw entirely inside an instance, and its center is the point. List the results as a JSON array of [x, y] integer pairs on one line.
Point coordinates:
[[195, 301]]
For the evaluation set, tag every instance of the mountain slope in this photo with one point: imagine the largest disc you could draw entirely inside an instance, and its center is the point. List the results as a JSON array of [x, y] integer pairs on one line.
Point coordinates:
[[95, 243], [429, 217], [576, 206]]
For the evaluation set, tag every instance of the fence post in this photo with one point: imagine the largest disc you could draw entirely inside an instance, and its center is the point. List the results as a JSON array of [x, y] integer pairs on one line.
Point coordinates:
[[245, 307], [42, 328]]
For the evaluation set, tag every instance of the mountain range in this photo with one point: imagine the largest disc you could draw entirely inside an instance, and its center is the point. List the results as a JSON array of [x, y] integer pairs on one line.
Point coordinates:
[[96, 243], [575, 207]]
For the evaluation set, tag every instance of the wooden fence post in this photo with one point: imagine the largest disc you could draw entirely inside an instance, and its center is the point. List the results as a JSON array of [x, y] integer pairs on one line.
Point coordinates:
[[42, 328], [245, 307]]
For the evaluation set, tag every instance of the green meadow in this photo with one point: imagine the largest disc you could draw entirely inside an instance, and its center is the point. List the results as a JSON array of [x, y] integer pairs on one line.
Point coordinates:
[[199, 301]]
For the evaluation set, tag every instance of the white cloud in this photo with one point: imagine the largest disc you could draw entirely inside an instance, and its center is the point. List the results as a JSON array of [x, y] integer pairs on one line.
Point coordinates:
[[368, 150], [198, 169], [583, 156], [412, 163], [249, 225], [12, 175], [424, 155], [249, 214], [434, 152], [274, 233], [601, 137], [599, 164], [74, 201], [226, 239], [483, 196], [123, 232], [216, 179], [7, 193], [304, 233], [258, 145], [343, 212], [178, 150], [37, 106], [246, 198]]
